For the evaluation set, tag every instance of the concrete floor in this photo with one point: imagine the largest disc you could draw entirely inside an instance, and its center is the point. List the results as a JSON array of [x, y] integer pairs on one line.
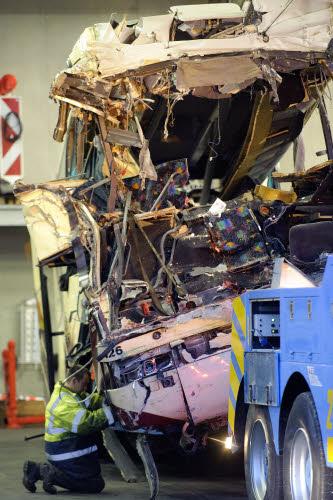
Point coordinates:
[[212, 476]]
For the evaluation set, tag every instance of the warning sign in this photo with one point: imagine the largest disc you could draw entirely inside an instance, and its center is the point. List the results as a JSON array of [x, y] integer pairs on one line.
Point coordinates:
[[11, 147]]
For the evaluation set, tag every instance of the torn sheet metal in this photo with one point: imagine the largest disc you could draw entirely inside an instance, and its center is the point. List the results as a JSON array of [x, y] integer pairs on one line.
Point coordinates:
[[156, 411], [295, 28], [301, 19], [98, 32], [47, 221], [212, 11], [152, 86], [186, 325], [303, 182], [149, 369], [200, 94], [154, 29], [115, 61], [219, 71], [199, 379], [123, 137]]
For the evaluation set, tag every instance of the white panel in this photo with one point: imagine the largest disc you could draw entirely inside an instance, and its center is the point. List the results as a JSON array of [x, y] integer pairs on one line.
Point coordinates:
[[207, 11]]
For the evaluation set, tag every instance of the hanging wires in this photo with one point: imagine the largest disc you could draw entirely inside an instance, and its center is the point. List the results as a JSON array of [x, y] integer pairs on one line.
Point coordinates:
[[62, 384], [79, 400], [169, 116], [77, 371], [214, 143], [170, 106], [270, 222]]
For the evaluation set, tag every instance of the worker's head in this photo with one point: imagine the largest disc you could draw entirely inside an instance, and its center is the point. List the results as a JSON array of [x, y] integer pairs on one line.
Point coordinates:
[[79, 378]]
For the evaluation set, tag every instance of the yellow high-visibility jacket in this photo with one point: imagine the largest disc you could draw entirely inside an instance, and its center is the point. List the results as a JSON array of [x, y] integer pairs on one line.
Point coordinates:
[[70, 430]]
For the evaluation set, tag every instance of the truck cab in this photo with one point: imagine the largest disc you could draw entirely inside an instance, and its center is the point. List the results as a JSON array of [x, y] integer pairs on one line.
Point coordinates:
[[281, 386]]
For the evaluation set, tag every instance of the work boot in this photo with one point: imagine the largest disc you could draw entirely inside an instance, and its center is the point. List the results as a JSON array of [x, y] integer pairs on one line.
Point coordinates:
[[48, 479], [31, 474]]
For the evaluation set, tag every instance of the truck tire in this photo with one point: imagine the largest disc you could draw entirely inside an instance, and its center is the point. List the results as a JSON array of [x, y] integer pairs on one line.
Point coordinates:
[[305, 475], [262, 465]]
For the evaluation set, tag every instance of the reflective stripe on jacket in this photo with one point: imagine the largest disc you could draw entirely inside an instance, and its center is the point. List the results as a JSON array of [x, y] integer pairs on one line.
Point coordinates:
[[70, 424]]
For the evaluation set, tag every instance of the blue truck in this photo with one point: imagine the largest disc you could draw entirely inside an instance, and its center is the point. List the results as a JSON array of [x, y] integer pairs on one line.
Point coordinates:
[[281, 389]]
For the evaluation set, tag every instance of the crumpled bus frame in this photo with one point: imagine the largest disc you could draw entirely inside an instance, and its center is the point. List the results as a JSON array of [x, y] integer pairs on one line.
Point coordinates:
[[144, 107]]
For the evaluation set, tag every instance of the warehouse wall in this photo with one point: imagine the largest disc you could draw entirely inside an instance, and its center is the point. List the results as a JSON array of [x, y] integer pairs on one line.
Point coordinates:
[[15, 288]]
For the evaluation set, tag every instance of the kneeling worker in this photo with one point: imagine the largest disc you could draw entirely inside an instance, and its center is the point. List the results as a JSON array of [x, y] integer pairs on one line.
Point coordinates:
[[72, 419]]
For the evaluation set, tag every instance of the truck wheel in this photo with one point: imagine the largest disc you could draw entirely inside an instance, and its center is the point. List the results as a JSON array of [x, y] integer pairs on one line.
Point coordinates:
[[262, 464], [305, 475]]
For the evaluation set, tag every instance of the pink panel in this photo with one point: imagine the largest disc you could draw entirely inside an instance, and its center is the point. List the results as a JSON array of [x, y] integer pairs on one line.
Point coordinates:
[[206, 386]]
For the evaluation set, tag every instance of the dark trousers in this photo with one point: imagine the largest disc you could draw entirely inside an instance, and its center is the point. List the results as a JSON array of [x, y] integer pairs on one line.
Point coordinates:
[[58, 477]]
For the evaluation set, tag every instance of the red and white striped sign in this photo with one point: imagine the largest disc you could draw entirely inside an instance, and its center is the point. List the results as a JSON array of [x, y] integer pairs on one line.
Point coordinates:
[[11, 147]]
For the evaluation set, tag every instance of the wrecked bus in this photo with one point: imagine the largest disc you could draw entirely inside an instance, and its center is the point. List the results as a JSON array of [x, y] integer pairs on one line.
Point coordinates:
[[160, 117]]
